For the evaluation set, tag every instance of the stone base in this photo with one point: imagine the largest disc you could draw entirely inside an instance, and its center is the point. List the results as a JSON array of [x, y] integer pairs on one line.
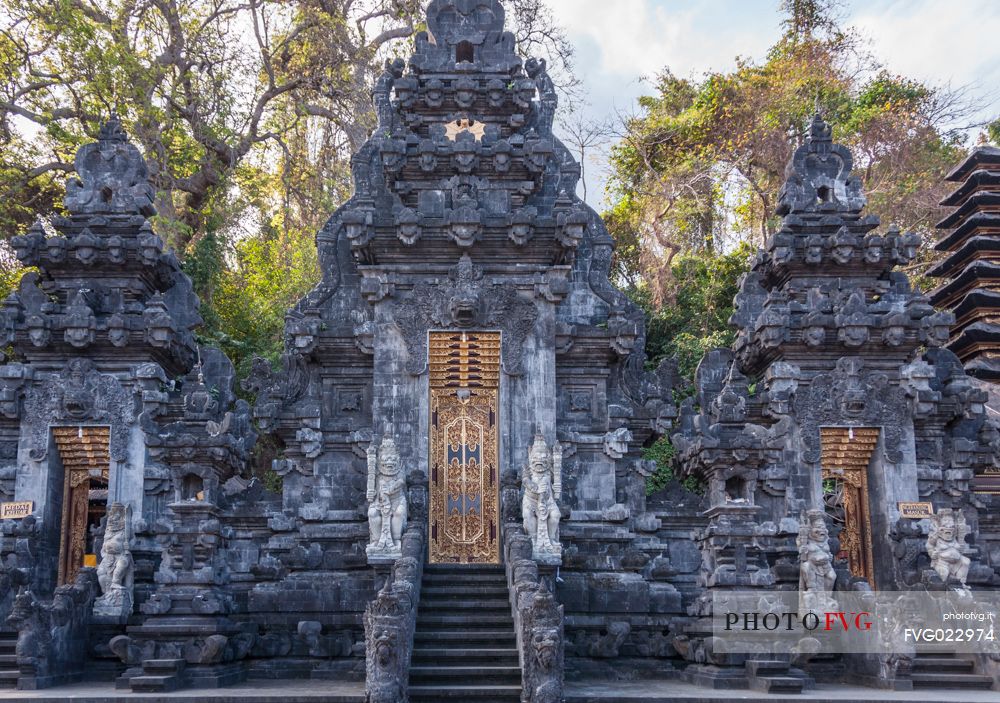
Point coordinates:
[[708, 676], [548, 557], [216, 676], [383, 556]]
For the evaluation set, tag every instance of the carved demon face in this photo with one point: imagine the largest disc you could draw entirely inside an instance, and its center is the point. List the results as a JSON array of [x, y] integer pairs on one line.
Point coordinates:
[[814, 250], [873, 251], [894, 336], [842, 254], [465, 95], [434, 96], [37, 332], [495, 93], [819, 533], [814, 336], [854, 335], [465, 158], [385, 647], [546, 644], [427, 160], [501, 161], [118, 334]]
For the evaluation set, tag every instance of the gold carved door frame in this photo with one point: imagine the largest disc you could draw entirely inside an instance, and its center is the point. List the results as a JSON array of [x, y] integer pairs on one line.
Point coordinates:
[[464, 513], [847, 454], [85, 455]]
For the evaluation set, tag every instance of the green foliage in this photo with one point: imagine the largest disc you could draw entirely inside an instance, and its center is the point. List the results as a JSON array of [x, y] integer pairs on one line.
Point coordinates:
[[993, 132], [266, 277], [700, 167], [663, 452], [696, 319]]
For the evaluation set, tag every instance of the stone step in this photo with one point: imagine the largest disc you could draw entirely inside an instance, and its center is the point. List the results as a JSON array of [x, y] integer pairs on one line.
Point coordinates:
[[460, 603], [8, 661], [464, 569], [777, 684], [944, 681], [471, 581], [154, 684], [470, 613], [481, 694], [495, 638], [942, 665], [463, 655], [465, 621], [481, 675], [8, 646], [766, 667], [163, 666], [499, 591], [9, 678]]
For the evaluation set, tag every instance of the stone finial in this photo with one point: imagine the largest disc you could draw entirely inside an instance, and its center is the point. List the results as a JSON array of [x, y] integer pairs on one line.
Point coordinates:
[[112, 178], [451, 22], [819, 178]]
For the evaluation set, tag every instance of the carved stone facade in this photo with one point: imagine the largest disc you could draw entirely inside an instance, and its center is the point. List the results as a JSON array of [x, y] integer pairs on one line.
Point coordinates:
[[465, 386], [857, 408]]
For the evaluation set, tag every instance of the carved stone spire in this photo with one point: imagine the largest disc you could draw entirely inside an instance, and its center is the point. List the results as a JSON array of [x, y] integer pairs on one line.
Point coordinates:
[[819, 178], [112, 178]]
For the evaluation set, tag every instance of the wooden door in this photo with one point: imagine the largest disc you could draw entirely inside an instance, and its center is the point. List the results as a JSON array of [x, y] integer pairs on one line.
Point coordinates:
[[464, 473]]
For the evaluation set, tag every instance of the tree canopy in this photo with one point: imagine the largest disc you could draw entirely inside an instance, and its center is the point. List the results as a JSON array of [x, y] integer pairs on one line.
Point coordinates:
[[247, 112], [699, 167]]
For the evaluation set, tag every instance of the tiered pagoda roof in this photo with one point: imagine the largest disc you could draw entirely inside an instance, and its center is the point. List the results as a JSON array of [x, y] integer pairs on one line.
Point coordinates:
[[973, 263]]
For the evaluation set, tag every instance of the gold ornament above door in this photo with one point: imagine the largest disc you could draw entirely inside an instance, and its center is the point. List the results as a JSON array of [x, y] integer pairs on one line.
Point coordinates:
[[464, 475]]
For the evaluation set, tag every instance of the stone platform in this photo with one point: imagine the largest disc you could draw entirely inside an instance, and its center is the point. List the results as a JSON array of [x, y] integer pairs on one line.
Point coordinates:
[[619, 692]]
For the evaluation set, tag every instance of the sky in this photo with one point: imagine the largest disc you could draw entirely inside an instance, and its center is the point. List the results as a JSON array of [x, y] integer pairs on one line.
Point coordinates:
[[620, 42]]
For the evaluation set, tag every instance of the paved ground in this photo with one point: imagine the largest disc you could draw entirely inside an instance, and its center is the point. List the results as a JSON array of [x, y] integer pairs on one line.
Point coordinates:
[[625, 692], [679, 692], [250, 692]]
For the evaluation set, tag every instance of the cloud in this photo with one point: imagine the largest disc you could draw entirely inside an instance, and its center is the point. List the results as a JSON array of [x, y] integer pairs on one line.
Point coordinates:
[[618, 42], [933, 40]]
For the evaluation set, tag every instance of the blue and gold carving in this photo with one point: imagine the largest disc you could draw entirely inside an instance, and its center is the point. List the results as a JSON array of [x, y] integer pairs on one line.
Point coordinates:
[[464, 490]]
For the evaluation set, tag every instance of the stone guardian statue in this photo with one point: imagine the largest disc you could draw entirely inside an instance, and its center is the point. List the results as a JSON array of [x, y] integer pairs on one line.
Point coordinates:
[[387, 511], [542, 482], [944, 545], [116, 571], [816, 574]]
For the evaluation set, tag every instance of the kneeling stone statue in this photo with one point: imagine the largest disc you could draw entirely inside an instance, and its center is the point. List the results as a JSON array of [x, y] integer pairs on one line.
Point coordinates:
[[116, 571], [387, 501], [542, 481], [944, 546]]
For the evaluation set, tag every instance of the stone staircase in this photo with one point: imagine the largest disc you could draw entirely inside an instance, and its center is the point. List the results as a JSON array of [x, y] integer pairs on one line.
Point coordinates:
[[9, 673], [464, 647], [159, 676], [775, 676], [944, 670]]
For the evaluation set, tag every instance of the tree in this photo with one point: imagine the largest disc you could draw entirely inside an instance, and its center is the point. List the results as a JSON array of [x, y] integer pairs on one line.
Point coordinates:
[[583, 136], [700, 166], [247, 112]]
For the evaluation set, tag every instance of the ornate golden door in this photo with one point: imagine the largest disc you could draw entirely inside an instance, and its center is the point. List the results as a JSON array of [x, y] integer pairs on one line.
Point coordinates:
[[847, 452], [84, 452], [464, 477]]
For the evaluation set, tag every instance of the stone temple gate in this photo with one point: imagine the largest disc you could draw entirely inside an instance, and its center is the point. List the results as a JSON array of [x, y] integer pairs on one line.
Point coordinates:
[[462, 410]]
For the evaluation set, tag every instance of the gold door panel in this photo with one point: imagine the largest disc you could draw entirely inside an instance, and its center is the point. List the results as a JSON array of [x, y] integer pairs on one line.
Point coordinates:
[[464, 474], [84, 452], [847, 452]]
